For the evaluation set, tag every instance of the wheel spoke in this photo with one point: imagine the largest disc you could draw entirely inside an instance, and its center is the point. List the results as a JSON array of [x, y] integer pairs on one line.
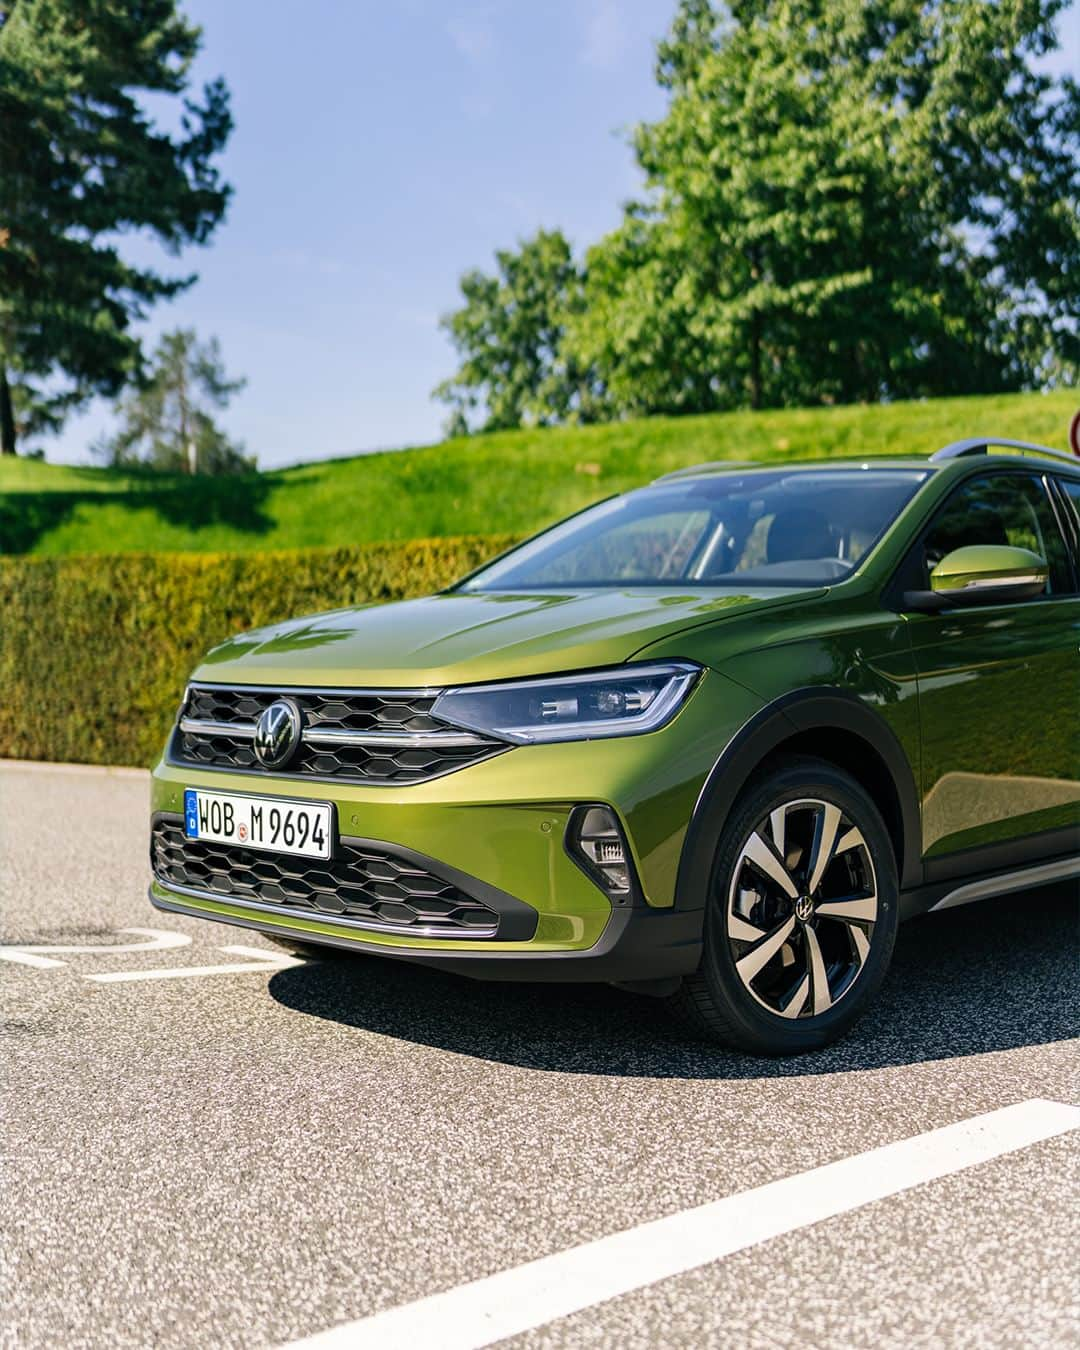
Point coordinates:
[[758, 957], [852, 839], [778, 824], [863, 908], [860, 941], [758, 852], [828, 823], [797, 1002], [819, 981], [741, 931]]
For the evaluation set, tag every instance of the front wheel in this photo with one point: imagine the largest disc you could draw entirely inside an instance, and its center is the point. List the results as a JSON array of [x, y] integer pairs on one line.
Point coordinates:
[[801, 915]]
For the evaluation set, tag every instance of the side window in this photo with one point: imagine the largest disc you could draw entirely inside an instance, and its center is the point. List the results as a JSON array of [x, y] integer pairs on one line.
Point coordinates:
[[1071, 488], [1006, 508]]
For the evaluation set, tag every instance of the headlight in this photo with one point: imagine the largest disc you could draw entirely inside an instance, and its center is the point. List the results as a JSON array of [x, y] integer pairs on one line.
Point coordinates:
[[622, 702]]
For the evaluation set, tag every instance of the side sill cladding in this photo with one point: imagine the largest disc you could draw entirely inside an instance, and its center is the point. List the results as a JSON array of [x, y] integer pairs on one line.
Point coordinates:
[[799, 712]]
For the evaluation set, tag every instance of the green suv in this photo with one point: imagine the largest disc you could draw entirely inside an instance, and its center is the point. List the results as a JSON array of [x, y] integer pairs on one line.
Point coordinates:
[[709, 740]]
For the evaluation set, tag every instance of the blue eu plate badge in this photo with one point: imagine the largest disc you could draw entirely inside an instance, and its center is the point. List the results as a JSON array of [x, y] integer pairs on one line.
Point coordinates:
[[191, 813]]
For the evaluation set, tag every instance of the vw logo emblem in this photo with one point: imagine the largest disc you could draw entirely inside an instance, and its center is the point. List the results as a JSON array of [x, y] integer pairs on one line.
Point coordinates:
[[804, 908], [277, 733]]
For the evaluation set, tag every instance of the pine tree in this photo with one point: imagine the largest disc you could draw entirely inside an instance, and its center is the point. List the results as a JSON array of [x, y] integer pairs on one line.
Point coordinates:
[[167, 418], [82, 161]]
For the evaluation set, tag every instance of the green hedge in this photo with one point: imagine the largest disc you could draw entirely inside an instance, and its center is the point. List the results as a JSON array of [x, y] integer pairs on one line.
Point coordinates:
[[94, 651]]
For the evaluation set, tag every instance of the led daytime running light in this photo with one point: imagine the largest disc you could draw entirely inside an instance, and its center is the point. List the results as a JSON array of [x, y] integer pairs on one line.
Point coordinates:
[[627, 701]]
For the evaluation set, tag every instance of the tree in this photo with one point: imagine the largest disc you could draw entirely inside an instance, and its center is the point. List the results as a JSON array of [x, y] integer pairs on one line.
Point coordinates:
[[167, 419], [509, 333], [850, 199], [845, 200], [82, 162]]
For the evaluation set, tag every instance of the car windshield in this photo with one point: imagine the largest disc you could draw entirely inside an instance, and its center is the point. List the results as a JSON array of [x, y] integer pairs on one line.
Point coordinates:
[[763, 528]]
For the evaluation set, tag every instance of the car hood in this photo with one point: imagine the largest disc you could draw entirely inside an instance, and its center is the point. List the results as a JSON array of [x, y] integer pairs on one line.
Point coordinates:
[[462, 637]]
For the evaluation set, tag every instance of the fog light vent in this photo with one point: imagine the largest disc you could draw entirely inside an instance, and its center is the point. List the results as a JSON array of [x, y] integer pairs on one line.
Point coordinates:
[[595, 841]]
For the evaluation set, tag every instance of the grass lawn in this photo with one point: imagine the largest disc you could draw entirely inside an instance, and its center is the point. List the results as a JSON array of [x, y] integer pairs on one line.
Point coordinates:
[[510, 481]]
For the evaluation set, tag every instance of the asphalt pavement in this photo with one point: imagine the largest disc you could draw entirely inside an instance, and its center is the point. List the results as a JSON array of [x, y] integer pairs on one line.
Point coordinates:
[[211, 1149]]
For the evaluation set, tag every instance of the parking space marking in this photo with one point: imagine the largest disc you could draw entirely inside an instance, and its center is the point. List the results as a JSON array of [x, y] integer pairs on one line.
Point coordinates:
[[257, 959], [23, 958], [30, 954], [532, 1295]]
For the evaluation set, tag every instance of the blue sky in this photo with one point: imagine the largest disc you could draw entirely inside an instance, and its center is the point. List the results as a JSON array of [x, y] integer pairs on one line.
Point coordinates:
[[381, 148]]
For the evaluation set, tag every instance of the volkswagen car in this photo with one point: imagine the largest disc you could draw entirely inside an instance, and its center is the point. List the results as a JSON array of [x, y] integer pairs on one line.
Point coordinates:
[[710, 740]]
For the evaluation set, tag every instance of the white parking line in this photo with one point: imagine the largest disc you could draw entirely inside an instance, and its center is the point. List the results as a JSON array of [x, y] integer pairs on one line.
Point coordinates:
[[259, 960], [529, 1296], [161, 939], [22, 958]]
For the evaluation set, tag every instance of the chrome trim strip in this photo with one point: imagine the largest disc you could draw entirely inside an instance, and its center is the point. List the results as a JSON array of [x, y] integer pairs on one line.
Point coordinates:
[[199, 726], [1062, 870], [398, 930], [327, 780], [414, 739]]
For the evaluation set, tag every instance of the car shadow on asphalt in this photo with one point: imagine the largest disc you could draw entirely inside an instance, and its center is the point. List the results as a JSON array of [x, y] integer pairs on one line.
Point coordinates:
[[988, 977]]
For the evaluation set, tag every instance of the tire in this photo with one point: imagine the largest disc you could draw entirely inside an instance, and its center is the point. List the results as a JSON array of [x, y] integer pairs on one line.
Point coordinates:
[[779, 975]]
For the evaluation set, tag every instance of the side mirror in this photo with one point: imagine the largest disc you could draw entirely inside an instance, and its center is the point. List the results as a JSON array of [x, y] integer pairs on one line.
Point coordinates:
[[982, 574]]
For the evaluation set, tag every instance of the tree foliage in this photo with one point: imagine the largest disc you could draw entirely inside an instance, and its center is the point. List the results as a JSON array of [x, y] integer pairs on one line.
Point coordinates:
[[82, 162], [167, 418], [845, 200], [509, 332]]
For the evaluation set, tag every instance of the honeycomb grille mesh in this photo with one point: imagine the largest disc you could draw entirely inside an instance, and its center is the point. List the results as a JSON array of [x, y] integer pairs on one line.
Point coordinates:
[[368, 711], [329, 711], [360, 883]]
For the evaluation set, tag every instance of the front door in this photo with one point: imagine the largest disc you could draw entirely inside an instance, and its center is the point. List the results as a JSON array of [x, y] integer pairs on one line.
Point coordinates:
[[999, 685]]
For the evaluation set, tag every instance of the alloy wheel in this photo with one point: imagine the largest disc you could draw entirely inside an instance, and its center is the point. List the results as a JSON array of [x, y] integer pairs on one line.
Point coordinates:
[[801, 908]]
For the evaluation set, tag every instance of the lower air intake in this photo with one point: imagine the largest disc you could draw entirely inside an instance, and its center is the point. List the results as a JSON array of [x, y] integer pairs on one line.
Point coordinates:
[[360, 884]]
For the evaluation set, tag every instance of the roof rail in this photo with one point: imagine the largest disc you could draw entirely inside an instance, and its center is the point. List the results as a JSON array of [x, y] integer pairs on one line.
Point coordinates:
[[980, 445]]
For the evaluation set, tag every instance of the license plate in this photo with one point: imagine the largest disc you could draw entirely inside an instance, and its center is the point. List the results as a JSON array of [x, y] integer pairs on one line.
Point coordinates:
[[272, 823]]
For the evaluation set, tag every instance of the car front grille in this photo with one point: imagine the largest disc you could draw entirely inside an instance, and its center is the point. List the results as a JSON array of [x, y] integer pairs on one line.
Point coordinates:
[[383, 737], [360, 884]]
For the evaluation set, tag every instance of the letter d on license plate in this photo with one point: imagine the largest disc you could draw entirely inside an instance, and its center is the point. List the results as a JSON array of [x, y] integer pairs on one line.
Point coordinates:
[[272, 823]]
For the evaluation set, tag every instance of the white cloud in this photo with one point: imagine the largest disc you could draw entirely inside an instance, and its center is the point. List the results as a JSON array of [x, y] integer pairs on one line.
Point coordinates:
[[605, 35]]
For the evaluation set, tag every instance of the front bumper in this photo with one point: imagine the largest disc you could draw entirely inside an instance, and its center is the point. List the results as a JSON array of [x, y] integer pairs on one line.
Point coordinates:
[[638, 944], [500, 825]]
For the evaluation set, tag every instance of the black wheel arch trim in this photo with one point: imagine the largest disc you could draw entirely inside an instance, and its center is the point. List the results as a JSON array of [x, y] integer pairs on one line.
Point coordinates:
[[801, 710]]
